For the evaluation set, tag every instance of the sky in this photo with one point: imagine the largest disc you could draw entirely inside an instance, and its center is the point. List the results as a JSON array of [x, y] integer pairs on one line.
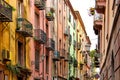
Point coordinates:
[[83, 7]]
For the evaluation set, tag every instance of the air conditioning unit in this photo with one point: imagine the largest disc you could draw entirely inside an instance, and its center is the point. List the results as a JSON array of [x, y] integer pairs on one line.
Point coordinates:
[[5, 54]]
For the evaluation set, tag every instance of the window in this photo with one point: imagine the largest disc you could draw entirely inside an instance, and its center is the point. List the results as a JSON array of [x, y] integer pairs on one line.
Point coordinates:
[[60, 18], [36, 21], [112, 65], [60, 68], [1, 75], [36, 79], [74, 24], [37, 59], [21, 59], [19, 78], [69, 17], [47, 64], [20, 8]]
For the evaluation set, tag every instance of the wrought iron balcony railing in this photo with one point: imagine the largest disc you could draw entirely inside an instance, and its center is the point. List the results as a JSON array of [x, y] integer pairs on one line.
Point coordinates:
[[62, 53], [40, 4], [75, 64], [56, 55], [50, 44], [66, 56], [66, 32], [100, 6], [70, 39], [98, 19], [5, 12], [40, 36], [96, 62], [74, 44], [24, 27], [49, 13], [78, 45]]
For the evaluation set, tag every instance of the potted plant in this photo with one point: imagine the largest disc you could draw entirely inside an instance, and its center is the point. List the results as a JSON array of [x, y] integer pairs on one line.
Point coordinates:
[[92, 11]]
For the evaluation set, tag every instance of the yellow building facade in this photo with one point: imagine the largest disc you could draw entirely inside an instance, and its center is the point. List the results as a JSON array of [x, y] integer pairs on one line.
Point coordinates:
[[15, 33], [81, 51]]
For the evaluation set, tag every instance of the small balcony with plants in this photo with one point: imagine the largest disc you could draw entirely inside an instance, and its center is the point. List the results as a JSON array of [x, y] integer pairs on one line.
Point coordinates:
[[50, 45], [100, 6], [40, 4], [5, 11], [62, 53], [18, 70], [24, 27], [98, 21], [49, 13], [40, 36], [56, 56]]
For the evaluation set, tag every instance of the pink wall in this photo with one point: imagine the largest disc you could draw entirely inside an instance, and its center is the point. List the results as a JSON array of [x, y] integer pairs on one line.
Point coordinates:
[[41, 13]]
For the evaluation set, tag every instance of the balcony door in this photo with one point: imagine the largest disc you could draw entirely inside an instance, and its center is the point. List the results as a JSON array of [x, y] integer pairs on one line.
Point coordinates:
[[20, 53], [20, 8]]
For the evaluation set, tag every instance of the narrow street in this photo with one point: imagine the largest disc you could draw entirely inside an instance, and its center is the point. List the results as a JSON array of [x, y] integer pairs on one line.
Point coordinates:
[[59, 39]]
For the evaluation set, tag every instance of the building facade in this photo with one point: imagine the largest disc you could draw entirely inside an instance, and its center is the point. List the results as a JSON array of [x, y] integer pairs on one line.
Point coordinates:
[[107, 28], [82, 50], [38, 40], [16, 31]]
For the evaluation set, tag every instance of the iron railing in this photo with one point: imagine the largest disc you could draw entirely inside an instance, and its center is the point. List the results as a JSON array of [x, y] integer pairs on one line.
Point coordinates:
[[40, 36], [40, 4], [5, 12], [62, 53], [24, 27], [66, 32], [49, 13], [50, 44], [56, 55]]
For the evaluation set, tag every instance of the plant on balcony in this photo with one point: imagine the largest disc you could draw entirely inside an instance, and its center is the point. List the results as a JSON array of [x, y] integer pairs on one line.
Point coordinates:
[[92, 11], [13, 69], [52, 10]]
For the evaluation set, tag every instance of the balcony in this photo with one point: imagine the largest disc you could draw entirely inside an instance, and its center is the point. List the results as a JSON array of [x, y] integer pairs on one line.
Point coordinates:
[[66, 32], [5, 12], [40, 36], [100, 6], [74, 44], [50, 44], [40, 4], [70, 39], [62, 53], [70, 59], [49, 14], [66, 56], [5, 56], [56, 55], [75, 64], [78, 45], [96, 62], [98, 21], [24, 27], [95, 30]]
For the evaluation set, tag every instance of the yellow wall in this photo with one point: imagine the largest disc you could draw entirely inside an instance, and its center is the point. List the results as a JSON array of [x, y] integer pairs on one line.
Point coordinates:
[[8, 36]]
